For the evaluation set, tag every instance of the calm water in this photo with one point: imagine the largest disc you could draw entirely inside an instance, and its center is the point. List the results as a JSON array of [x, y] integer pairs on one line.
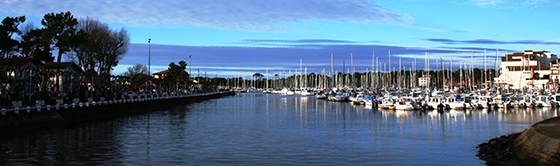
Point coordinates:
[[271, 129]]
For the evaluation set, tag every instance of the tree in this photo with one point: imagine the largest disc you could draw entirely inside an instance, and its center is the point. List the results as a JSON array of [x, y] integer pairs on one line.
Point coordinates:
[[9, 27], [136, 69], [258, 76], [176, 73], [101, 48], [536, 76], [60, 28], [33, 44]]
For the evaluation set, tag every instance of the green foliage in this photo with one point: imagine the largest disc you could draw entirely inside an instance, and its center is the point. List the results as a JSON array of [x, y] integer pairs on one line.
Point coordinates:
[[536, 76], [34, 45], [259, 76], [9, 27], [136, 69], [176, 72], [60, 28]]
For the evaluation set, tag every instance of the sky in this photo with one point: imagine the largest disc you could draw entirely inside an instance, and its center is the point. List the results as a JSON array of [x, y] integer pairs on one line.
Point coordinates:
[[226, 38]]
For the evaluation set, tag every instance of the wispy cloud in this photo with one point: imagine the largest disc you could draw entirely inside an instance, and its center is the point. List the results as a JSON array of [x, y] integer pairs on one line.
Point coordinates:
[[488, 2], [299, 41], [493, 42], [224, 14], [515, 3], [286, 56]]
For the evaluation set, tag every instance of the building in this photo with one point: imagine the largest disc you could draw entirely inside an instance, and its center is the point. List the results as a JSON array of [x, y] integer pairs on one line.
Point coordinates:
[[64, 66], [161, 75], [529, 68], [20, 79], [424, 81], [21, 62]]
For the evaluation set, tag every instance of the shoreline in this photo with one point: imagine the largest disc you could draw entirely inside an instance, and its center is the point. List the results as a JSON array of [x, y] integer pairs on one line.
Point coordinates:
[[499, 150], [15, 120]]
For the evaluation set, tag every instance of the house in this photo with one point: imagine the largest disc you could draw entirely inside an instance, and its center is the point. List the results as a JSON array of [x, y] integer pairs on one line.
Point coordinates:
[[424, 81], [21, 62], [64, 66], [18, 78], [161, 74], [518, 70]]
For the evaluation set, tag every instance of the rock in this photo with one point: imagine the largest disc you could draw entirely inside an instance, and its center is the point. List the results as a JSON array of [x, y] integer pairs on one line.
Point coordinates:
[[497, 150]]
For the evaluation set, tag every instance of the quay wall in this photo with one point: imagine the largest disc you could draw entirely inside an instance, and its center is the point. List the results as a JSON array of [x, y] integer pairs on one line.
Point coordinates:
[[539, 144], [29, 118]]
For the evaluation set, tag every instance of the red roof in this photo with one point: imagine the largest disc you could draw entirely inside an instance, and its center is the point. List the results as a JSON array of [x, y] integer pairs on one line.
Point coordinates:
[[161, 72], [164, 72]]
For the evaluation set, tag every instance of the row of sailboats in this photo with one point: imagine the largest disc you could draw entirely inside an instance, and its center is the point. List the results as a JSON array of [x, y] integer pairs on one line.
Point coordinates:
[[398, 89]]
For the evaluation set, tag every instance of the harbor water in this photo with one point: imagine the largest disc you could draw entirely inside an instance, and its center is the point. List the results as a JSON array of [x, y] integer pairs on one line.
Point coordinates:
[[271, 129]]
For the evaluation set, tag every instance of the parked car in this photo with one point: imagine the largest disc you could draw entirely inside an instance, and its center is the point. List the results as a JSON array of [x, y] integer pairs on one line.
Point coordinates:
[[58, 95], [132, 94]]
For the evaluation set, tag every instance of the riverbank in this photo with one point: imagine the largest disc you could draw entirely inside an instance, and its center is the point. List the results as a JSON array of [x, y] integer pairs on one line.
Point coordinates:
[[29, 118]]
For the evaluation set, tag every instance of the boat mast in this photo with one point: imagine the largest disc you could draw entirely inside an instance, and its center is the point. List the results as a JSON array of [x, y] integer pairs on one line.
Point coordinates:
[[372, 67], [485, 69], [451, 71], [332, 70], [399, 74], [351, 70], [343, 73], [495, 66], [390, 74], [377, 83], [300, 73]]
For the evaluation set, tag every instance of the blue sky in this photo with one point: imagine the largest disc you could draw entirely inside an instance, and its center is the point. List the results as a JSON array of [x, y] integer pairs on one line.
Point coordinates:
[[229, 38]]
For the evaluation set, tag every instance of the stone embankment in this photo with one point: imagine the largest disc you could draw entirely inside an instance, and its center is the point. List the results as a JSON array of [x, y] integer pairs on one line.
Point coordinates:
[[537, 145], [498, 151], [22, 119]]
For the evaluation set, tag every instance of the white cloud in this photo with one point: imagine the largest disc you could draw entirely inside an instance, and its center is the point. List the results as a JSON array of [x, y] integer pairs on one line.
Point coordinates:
[[253, 15], [487, 2], [515, 3]]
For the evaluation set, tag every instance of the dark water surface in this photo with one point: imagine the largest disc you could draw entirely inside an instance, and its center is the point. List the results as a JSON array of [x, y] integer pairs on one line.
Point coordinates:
[[271, 129]]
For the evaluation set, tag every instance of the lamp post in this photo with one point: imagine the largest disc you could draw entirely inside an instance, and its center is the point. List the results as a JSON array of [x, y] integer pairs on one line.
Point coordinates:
[[149, 55], [150, 63], [190, 67]]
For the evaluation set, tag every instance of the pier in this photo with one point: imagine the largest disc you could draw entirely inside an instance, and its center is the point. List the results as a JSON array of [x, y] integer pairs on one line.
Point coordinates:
[[17, 119]]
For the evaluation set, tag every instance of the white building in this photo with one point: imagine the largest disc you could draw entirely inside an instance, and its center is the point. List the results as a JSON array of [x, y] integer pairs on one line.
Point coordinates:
[[518, 69], [425, 80]]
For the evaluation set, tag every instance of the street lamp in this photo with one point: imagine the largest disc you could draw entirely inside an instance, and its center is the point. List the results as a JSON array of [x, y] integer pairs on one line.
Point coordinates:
[[150, 63], [149, 56], [190, 65]]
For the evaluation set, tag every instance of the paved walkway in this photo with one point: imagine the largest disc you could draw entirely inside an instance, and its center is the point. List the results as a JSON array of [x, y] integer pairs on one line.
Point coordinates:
[[550, 127], [538, 145]]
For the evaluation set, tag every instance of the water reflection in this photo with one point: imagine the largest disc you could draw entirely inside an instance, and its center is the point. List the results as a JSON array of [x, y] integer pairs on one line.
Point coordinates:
[[271, 129]]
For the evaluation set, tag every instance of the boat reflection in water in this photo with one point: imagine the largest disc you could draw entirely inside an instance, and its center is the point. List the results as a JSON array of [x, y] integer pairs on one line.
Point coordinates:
[[272, 129]]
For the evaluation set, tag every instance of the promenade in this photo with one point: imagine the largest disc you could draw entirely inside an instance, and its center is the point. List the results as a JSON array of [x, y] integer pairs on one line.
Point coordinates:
[[539, 144], [27, 118]]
